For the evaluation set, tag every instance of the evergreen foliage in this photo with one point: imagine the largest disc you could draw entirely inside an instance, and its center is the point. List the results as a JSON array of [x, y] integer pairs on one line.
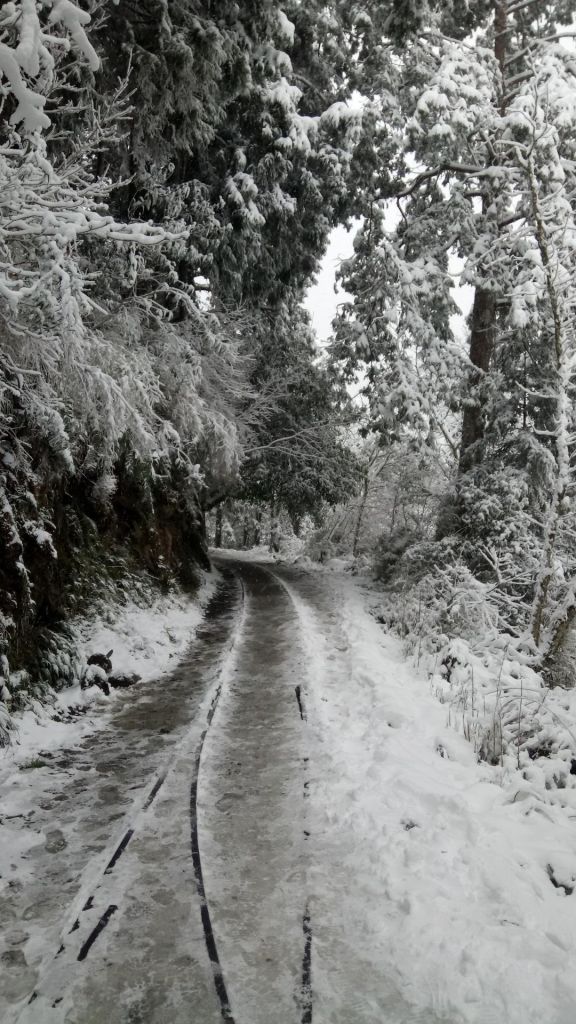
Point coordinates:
[[486, 127], [170, 175]]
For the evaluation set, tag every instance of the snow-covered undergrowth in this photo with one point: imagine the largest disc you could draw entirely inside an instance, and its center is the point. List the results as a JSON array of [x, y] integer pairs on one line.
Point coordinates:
[[486, 678], [145, 633]]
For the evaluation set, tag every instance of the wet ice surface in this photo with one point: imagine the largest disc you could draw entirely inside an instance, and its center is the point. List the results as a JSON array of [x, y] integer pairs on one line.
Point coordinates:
[[252, 813], [275, 833]]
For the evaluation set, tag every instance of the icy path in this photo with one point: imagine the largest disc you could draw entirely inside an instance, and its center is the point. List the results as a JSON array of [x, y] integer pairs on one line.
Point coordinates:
[[285, 832], [125, 789], [253, 814]]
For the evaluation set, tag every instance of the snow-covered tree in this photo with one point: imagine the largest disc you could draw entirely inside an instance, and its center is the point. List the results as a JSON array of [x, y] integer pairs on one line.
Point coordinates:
[[296, 459], [170, 176], [488, 129], [47, 207]]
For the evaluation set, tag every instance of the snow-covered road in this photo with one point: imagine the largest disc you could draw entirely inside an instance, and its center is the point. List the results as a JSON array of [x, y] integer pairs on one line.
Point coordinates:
[[284, 831]]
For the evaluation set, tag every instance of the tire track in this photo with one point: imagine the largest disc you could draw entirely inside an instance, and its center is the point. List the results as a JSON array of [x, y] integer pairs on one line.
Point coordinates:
[[209, 937], [307, 968]]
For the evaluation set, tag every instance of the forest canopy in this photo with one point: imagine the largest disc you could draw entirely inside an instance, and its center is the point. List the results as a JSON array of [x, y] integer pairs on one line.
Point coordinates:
[[171, 174]]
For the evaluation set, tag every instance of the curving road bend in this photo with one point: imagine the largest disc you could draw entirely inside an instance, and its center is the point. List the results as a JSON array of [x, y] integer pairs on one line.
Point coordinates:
[[191, 883]]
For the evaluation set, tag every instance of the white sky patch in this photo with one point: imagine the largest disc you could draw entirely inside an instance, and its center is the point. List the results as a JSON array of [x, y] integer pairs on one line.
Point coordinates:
[[463, 296], [323, 298]]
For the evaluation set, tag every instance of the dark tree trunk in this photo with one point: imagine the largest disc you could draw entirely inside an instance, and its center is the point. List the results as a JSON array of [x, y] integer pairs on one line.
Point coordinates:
[[481, 348], [483, 321], [501, 44], [218, 528], [257, 529], [360, 516], [274, 545]]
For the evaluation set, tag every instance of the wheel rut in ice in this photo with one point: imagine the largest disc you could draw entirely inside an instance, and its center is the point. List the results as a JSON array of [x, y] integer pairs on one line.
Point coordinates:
[[306, 994], [219, 837], [209, 937]]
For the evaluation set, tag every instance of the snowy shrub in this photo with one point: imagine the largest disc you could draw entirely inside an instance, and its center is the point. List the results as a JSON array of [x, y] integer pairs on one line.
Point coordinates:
[[389, 550], [451, 624], [447, 602], [290, 547], [103, 489]]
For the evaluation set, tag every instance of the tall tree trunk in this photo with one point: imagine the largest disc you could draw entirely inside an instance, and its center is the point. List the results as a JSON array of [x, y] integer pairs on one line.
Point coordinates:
[[501, 45], [559, 664], [484, 309], [481, 348], [361, 511], [218, 527], [274, 546], [564, 354]]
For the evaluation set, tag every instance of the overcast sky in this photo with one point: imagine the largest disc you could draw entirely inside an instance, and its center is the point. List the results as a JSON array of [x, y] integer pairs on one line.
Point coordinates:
[[322, 300]]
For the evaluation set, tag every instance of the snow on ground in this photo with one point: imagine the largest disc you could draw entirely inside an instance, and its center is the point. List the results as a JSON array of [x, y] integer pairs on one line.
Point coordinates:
[[64, 814], [258, 554], [59, 804], [146, 640], [445, 864], [440, 888]]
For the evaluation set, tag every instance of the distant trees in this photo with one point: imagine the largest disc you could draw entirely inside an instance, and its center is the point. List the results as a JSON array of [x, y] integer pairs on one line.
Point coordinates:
[[298, 461]]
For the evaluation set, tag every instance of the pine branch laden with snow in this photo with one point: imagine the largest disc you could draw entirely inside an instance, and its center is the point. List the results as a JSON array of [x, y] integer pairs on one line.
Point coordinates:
[[64, 385], [49, 205]]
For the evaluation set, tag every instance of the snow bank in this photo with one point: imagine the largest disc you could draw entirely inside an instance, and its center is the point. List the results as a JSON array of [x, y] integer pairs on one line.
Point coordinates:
[[449, 879], [257, 554], [146, 640]]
